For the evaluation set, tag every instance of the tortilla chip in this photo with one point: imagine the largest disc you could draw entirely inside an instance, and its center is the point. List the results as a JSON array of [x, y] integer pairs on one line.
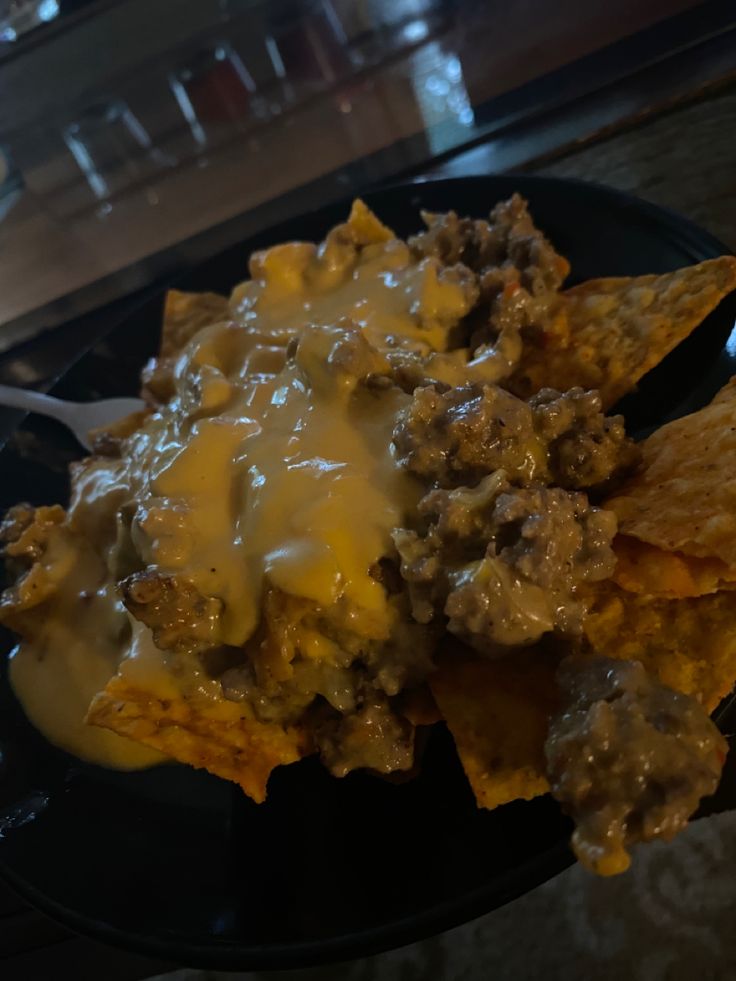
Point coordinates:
[[185, 314], [622, 327], [234, 748], [497, 712], [689, 644], [727, 393], [39, 553], [419, 707], [650, 571], [366, 226], [106, 440], [684, 497]]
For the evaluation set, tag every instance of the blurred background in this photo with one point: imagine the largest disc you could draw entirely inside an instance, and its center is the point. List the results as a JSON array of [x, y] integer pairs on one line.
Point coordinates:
[[140, 135]]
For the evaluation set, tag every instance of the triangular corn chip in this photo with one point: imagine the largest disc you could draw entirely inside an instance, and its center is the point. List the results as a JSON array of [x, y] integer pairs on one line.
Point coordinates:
[[621, 328], [365, 226], [727, 393], [185, 314], [219, 739], [683, 499], [497, 712], [651, 571], [419, 707], [689, 644]]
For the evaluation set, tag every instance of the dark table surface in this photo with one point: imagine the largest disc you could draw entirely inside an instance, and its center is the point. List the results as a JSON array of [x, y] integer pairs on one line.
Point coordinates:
[[644, 101], [146, 187]]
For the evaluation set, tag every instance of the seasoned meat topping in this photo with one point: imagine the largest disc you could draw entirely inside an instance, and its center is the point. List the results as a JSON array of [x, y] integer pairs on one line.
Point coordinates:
[[519, 275], [457, 436], [374, 737], [16, 520], [505, 564], [338, 356], [509, 317], [26, 532], [584, 447], [35, 547], [509, 238], [305, 656], [351, 701], [180, 618], [286, 701], [628, 758]]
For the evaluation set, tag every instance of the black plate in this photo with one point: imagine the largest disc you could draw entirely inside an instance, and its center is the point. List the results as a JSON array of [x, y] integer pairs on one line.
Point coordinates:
[[176, 863]]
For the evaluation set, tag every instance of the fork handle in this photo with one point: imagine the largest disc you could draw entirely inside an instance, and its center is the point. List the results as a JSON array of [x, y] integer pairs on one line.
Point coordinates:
[[20, 398]]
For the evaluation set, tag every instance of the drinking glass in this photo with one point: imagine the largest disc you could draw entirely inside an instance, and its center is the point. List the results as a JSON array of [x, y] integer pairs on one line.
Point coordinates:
[[215, 92], [112, 148], [19, 16]]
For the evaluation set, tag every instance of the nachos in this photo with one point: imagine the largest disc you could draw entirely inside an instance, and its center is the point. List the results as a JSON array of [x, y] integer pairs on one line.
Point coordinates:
[[377, 487]]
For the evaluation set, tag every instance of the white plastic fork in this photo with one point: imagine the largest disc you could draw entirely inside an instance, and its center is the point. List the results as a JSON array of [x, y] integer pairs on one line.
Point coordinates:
[[79, 417]]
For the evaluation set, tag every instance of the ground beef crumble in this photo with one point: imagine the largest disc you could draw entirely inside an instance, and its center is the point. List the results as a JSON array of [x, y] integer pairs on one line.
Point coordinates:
[[504, 564], [180, 618], [628, 758], [585, 448], [519, 277], [374, 736], [508, 238], [457, 436]]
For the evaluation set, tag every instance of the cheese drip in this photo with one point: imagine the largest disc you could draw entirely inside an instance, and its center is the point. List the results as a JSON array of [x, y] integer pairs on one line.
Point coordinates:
[[72, 656]]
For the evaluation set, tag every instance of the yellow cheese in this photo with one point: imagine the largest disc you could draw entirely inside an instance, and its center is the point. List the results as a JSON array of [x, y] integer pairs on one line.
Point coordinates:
[[269, 467]]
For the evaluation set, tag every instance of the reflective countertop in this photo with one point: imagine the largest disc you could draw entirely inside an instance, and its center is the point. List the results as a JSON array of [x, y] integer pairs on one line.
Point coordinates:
[[152, 131]]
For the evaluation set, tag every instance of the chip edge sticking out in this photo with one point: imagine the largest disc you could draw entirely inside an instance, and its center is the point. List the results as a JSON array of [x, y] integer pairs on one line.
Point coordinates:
[[682, 498], [187, 313], [648, 570], [498, 720], [241, 750], [588, 356], [688, 644]]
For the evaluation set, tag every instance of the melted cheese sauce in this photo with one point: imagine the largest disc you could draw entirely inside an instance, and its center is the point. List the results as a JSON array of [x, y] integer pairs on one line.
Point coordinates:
[[262, 470], [247, 497], [71, 658], [396, 301]]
